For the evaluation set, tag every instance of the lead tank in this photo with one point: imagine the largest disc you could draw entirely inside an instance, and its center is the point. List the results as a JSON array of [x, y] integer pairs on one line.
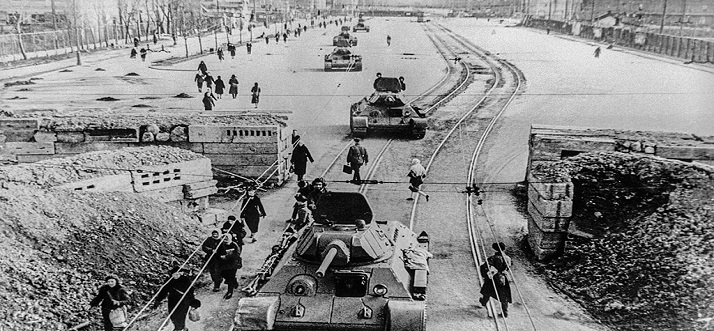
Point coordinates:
[[386, 110], [345, 272]]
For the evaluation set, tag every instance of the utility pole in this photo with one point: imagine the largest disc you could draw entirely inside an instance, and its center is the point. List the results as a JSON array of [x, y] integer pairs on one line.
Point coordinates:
[[664, 15], [215, 28], [592, 12], [681, 21], [76, 31], [550, 3]]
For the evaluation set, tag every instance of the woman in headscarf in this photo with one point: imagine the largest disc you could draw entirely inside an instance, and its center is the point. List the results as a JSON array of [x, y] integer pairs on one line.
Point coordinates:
[[111, 296], [416, 175], [252, 211], [180, 297], [233, 86]]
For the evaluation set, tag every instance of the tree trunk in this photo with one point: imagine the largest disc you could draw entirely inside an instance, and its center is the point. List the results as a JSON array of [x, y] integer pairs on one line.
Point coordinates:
[[19, 38]]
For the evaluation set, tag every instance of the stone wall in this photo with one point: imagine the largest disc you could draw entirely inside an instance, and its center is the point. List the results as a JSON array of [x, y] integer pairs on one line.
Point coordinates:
[[550, 203]]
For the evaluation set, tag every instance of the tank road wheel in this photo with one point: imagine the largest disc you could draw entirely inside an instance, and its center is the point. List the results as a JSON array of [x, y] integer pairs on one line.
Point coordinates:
[[358, 67], [418, 134], [257, 313], [405, 316]]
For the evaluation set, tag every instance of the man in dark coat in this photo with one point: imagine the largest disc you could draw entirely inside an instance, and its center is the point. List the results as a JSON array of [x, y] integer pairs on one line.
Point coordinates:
[[496, 284], [356, 157], [111, 296], [299, 159], [180, 297], [202, 68], [208, 101], [220, 86], [229, 261], [209, 246], [251, 212], [249, 47]]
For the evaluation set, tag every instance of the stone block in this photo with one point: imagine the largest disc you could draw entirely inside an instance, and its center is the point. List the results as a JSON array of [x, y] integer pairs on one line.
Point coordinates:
[[162, 136], [45, 136], [111, 183], [77, 148], [550, 208], [70, 136], [179, 134], [214, 217], [230, 134], [174, 174], [263, 160], [554, 224], [32, 158], [199, 185], [147, 137], [544, 244], [29, 148], [127, 135], [165, 194], [551, 191], [558, 144], [12, 124], [686, 152], [19, 135], [204, 192], [240, 148]]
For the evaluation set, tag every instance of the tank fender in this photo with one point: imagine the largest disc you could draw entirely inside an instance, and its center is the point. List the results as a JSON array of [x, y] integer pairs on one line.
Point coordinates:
[[360, 122], [406, 315], [256, 313], [419, 123]]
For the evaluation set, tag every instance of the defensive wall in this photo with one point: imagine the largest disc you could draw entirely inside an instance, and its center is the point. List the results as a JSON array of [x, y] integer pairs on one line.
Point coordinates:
[[167, 174], [691, 49], [550, 204], [250, 145]]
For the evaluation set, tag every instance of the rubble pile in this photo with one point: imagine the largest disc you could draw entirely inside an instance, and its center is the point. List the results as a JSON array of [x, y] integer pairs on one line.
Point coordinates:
[[56, 247], [651, 264], [54, 172]]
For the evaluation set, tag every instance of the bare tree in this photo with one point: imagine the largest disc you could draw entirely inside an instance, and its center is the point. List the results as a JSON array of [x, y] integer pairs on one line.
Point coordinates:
[[17, 19]]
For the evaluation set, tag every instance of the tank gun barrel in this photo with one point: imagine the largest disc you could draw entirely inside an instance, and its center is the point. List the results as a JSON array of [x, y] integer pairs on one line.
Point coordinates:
[[326, 262]]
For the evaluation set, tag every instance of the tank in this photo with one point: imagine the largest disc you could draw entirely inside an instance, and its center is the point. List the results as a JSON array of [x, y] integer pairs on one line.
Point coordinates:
[[360, 26], [385, 110], [342, 58], [344, 36], [345, 272]]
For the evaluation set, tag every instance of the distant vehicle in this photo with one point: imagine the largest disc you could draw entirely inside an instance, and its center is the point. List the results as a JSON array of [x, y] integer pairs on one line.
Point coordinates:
[[345, 271], [342, 58], [344, 36], [386, 111], [360, 26]]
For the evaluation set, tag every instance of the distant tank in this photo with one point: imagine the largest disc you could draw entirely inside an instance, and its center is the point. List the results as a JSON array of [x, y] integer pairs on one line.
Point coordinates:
[[345, 272], [386, 111], [344, 36], [360, 26], [342, 58]]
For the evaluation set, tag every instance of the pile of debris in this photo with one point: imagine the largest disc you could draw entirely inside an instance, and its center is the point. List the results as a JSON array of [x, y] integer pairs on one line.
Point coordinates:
[[651, 263], [56, 247]]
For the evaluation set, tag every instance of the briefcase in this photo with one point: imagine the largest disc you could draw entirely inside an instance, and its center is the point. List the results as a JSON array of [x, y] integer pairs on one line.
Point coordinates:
[[347, 169]]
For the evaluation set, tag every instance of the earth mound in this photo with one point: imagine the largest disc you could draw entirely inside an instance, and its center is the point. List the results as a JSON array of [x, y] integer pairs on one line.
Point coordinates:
[[651, 263], [56, 247]]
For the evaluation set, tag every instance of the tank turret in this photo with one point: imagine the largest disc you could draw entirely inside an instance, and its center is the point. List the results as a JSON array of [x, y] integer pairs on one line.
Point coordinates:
[[346, 271]]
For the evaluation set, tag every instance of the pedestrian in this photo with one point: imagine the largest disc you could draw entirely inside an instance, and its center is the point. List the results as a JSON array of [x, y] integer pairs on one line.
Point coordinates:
[[202, 68], [229, 261], [209, 82], [496, 284], [318, 189], [285, 37], [389, 40], [255, 95], [136, 42], [597, 52], [111, 296], [220, 86], [249, 47], [236, 227], [267, 40], [209, 246], [155, 39], [143, 54], [132, 55], [148, 48], [402, 85], [252, 211], [199, 82], [277, 38], [180, 295], [219, 52], [233, 86], [416, 175], [232, 49], [208, 101], [299, 159], [356, 157], [547, 30], [376, 80]]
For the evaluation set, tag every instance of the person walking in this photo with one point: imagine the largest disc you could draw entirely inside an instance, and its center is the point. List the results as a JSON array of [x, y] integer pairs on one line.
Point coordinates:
[[277, 38], [233, 86], [199, 82], [252, 211], [232, 49], [202, 68], [597, 52], [356, 157], [209, 82], [237, 228], [267, 40], [285, 37], [229, 261], [416, 175], [220, 87], [496, 284], [255, 95], [136, 42], [389, 40], [111, 296], [299, 159], [132, 54], [142, 51], [180, 297], [219, 52], [402, 84], [208, 101], [209, 246], [249, 47]]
